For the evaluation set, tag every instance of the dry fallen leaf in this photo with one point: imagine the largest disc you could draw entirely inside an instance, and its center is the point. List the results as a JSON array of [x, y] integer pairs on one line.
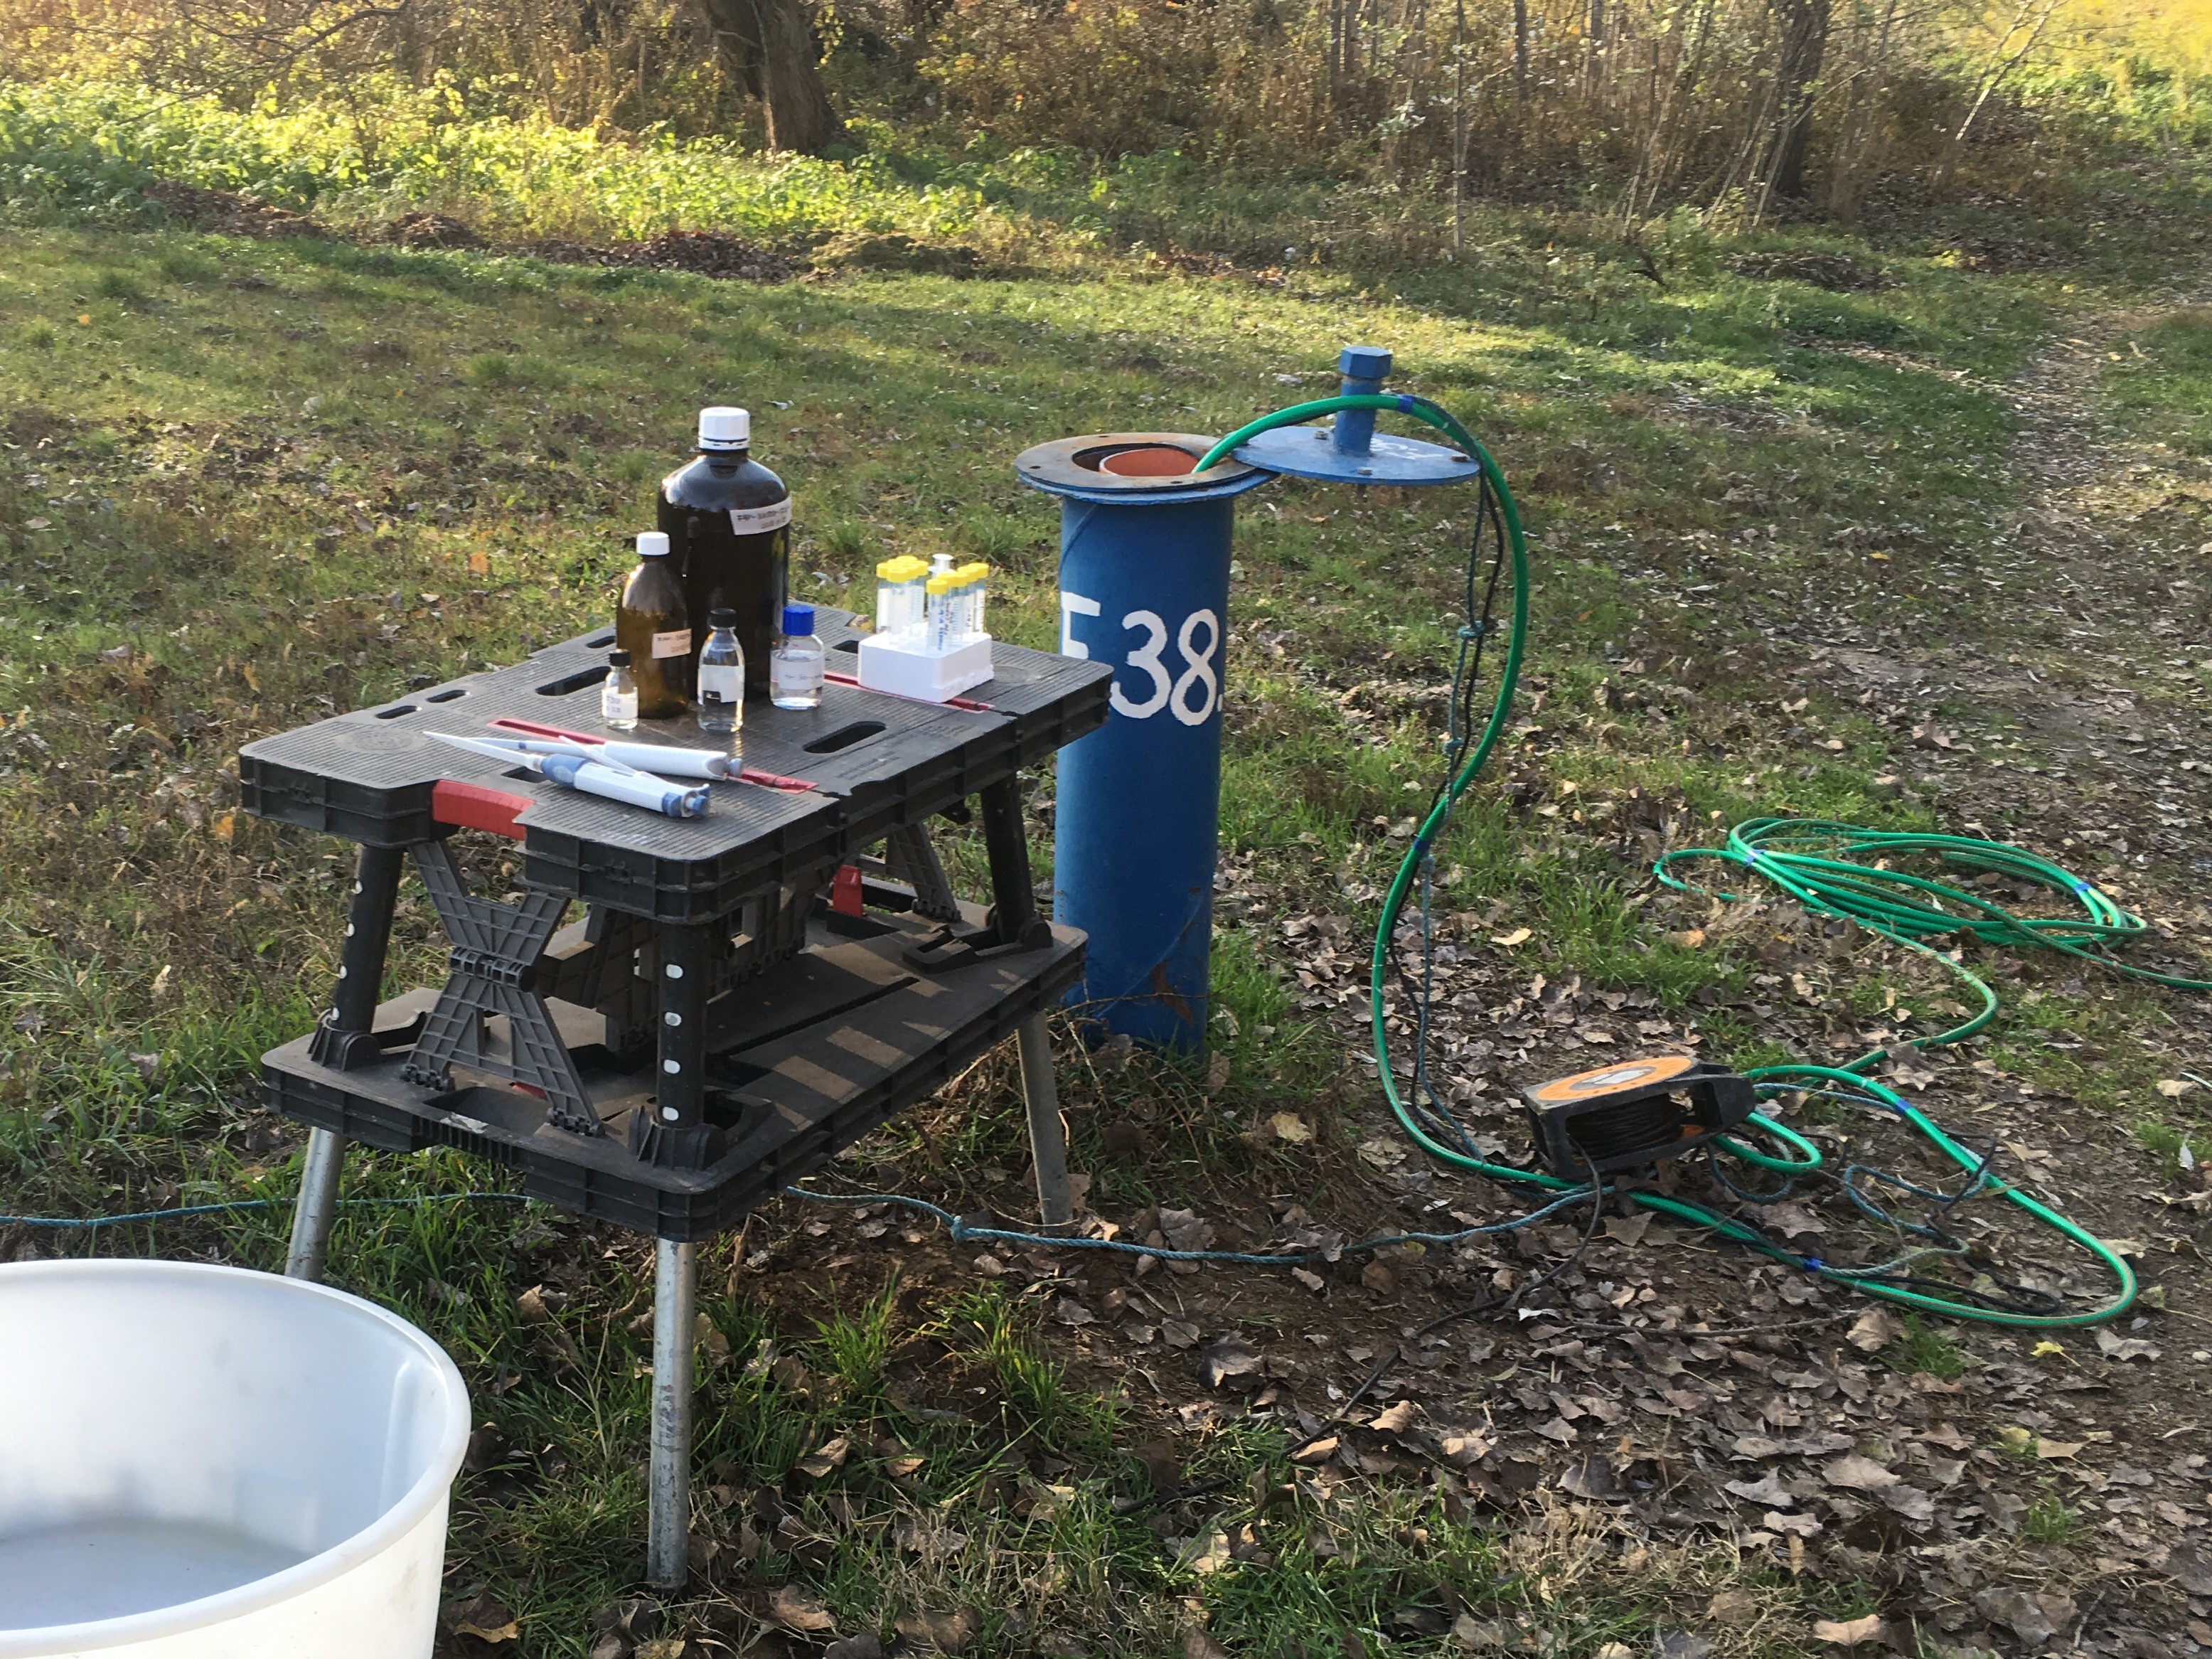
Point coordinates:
[[2174, 1087], [1290, 1127], [486, 1618], [1860, 1473], [1232, 1356], [1767, 1489], [1518, 936], [1463, 1449], [1394, 1420], [1197, 1645], [794, 1609], [825, 1458], [1628, 1229], [2123, 1348], [1875, 1331], [945, 1632], [1319, 1451], [530, 1304], [1849, 1632], [1207, 1555], [1475, 1635], [1688, 939], [2190, 1568], [1733, 1607]]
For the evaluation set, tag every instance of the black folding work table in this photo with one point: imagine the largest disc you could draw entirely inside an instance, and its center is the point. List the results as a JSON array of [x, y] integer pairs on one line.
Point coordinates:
[[744, 994]]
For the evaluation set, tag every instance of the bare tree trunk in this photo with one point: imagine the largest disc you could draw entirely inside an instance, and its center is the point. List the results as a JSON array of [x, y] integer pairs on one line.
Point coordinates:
[[779, 39], [1520, 50], [1459, 123], [1804, 45]]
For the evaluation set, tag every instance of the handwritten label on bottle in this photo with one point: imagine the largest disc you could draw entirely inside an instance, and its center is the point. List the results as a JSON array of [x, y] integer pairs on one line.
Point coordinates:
[[675, 642], [720, 683], [752, 520]]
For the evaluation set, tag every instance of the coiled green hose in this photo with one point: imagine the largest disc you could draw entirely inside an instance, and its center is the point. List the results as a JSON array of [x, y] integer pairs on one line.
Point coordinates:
[[1903, 908]]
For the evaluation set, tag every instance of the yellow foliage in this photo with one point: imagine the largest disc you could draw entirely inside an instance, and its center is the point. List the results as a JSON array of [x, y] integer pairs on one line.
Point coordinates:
[[2175, 34]]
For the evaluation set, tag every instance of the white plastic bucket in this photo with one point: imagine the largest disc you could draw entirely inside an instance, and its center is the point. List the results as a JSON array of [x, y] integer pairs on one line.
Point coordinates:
[[201, 1462]]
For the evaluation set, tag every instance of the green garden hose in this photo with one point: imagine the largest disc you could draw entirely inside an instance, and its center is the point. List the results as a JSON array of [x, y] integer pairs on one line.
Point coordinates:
[[1905, 909]]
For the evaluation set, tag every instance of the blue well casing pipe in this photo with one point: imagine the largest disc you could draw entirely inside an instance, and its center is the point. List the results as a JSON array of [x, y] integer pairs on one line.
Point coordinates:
[[1144, 585]]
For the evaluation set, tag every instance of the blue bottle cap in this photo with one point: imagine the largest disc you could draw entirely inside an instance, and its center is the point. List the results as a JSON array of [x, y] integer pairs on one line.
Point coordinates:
[[798, 620]]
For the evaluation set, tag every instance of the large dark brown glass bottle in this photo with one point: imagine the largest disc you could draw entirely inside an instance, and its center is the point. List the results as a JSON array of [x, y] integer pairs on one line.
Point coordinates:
[[728, 522], [653, 624]]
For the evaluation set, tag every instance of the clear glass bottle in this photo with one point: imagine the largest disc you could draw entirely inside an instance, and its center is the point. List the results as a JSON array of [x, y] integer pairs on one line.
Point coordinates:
[[794, 674], [618, 693], [722, 678]]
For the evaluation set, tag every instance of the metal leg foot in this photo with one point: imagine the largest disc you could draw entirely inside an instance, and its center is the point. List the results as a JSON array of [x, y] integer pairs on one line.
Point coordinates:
[[1048, 1134], [317, 1205], [668, 1542]]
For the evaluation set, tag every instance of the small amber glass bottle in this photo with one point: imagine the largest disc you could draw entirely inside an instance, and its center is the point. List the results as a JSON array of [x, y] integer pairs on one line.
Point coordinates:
[[653, 625]]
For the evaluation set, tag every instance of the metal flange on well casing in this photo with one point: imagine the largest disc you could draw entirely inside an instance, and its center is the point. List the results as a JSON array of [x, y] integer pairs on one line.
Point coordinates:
[[1348, 450], [1115, 469]]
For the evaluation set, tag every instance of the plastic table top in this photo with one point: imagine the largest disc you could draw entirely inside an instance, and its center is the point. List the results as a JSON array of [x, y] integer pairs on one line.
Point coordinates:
[[877, 762]]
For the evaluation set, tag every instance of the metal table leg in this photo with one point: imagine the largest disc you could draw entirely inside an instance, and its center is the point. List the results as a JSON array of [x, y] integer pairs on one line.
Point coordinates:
[[1014, 904], [675, 1303], [1048, 1134], [353, 1008]]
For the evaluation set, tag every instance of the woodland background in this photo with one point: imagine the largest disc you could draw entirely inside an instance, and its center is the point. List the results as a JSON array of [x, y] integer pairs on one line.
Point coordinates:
[[1739, 110]]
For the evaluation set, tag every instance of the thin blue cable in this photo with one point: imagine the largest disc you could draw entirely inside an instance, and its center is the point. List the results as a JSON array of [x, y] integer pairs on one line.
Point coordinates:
[[236, 1206], [963, 1233]]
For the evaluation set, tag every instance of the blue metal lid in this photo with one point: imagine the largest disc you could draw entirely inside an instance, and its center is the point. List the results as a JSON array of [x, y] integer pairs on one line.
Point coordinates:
[[1307, 452]]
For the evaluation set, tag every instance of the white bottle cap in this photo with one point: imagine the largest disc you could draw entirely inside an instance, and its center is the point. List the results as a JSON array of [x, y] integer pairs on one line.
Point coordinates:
[[940, 564], [723, 428], [653, 543]]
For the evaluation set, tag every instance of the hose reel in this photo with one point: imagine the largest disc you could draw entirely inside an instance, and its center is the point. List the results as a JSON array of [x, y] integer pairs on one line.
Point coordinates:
[[1633, 1112]]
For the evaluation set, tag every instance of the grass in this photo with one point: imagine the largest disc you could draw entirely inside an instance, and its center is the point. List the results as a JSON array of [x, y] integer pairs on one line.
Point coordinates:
[[246, 483], [1924, 1349], [2163, 386], [2048, 1521]]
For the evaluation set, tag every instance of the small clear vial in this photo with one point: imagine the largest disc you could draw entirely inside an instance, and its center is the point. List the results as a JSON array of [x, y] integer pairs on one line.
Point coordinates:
[[976, 578], [618, 693], [942, 604], [898, 595], [722, 678], [795, 666]]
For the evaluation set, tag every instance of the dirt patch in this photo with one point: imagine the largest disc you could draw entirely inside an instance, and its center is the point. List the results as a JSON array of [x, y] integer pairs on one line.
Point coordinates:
[[426, 229], [227, 213], [899, 253], [1840, 273], [704, 252]]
